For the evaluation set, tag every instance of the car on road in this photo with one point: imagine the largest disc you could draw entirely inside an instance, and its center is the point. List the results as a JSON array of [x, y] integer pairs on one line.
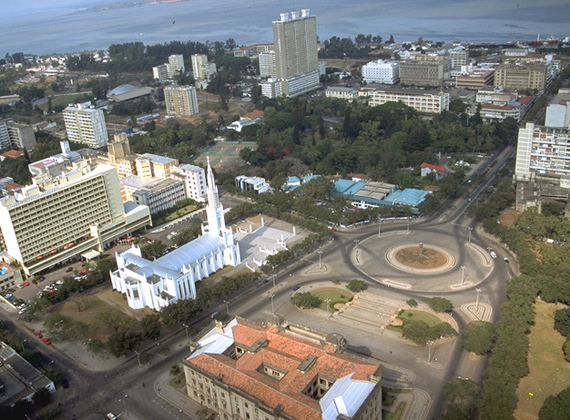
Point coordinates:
[[42, 278], [493, 254], [111, 416], [295, 288], [38, 334], [506, 260], [265, 281]]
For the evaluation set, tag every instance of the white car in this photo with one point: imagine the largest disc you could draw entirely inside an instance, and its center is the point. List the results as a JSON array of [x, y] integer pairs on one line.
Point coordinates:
[[493, 254], [111, 416]]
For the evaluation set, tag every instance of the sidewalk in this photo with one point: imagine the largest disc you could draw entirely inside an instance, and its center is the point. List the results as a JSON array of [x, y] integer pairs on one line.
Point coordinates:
[[186, 407]]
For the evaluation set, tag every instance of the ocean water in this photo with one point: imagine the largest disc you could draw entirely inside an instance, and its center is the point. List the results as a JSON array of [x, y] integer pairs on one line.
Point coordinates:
[[47, 26]]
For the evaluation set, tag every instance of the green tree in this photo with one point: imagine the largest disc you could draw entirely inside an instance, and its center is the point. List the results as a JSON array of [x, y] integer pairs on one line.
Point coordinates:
[[439, 304], [175, 370], [151, 326], [417, 331], [479, 337], [153, 250], [562, 321], [41, 397], [356, 286], [121, 343], [566, 349], [556, 407], [34, 357], [305, 300], [460, 397]]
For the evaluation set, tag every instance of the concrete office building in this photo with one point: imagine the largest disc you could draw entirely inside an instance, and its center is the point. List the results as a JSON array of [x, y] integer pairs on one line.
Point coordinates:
[[160, 73], [296, 60], [175, 65], [154, 166], [558, 112], [244, 370], [159, 283], [422, 73], [477, 79], [194, 179], [267, 64], [86, 125], [514, 76], [60, 217], [542, 169], [156, 193], [381, 71], [459, 57], [181, 100], [119, 155], [15, 135], [420, 100]]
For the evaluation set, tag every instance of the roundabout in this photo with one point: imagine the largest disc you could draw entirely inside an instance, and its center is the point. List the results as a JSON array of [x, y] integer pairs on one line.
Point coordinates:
[[424, 261]]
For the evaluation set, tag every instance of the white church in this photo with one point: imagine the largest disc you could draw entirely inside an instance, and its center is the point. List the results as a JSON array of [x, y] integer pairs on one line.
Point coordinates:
[[159, 283]]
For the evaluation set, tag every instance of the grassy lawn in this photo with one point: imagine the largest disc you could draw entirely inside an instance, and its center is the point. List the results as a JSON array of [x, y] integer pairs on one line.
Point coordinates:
[[63, 100], [415, 315], [178, 381], [386, 415], [548, 369], [176, 214], [336, 295]]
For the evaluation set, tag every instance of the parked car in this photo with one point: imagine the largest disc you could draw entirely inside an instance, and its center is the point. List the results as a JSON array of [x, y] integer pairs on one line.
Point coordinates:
[[295, 288], [46, 340], [42, 278], [38, 334], [506, 260], [69, 269]]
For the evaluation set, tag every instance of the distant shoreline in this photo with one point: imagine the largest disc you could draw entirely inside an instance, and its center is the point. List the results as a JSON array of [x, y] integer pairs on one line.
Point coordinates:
[[115, 6]]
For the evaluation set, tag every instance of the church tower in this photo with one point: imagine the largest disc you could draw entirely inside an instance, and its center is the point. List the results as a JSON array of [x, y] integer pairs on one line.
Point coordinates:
[[215, 211]]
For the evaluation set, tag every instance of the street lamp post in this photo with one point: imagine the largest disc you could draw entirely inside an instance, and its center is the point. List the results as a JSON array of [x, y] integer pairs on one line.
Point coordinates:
[[469, 229], [320, 256], [187, 338], [23, 342], [379, 227], [463, 268], [49, 364], [227, 306], [429, 343], [328, 301], [272, 307], [124, 402], [477, 301], [138, 357]]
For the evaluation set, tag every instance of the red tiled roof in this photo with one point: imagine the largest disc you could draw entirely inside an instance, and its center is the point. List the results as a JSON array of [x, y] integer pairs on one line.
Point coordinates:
[[13, 154], [253, 114], [12, 186], [285, 352], [433, 167]]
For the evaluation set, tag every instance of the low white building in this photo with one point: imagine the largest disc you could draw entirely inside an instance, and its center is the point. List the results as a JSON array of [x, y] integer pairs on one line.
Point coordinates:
[[421, 101], [341, 92], [381, 71], [159, 283], [254, 183]]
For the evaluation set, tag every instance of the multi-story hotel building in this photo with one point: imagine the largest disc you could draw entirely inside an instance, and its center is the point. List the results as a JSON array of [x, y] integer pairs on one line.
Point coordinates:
[[85, 124], [381, 71], [181, 100], [243, 370], [296, 60], [175, 65], [194, 179], [477, 79], [160, 72], [60, 217], [542, 169], [421, 101], [514, 76], [158, 194], [267, 64], [20, 136], [154, 166]]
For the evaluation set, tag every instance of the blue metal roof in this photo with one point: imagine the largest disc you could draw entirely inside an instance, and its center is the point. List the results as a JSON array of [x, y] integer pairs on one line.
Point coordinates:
[[348, 187], [408, 197]]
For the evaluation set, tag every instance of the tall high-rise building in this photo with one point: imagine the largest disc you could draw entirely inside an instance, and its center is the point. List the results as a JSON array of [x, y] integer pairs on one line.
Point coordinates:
[[160, 72], [63, 216], [267, 64], [85, 124], [181, 100], [16, 135], [198, 60], [296, 60], [175, 65]]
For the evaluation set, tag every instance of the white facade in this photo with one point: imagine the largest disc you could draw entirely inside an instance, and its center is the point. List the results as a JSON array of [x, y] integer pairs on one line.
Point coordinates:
[[558, 115], [175, 65], [381, 71], [194, 179], [159, 283], [271, 88], [254, 183], [85, 124], [160, 73], [16, 135], [59, 217], [428, 103], [156, 194], [341, 92], [198, 60]]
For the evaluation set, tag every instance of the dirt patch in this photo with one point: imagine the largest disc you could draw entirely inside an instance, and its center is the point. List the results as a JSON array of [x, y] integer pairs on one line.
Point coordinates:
[[416, 257], [508, 217], [548, 369]]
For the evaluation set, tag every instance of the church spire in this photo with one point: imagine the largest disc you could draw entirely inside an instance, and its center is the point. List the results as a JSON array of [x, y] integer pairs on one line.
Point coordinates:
[[213, 197], [214, 210]]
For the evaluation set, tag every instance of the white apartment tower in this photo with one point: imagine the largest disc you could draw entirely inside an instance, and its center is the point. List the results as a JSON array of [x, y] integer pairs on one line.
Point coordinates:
[[296, 60], [85, 124], [181, 100], [381, 71], [64, 216], [175, 65], [160, 72], [198, 61], [267, 64], [194, 179]]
